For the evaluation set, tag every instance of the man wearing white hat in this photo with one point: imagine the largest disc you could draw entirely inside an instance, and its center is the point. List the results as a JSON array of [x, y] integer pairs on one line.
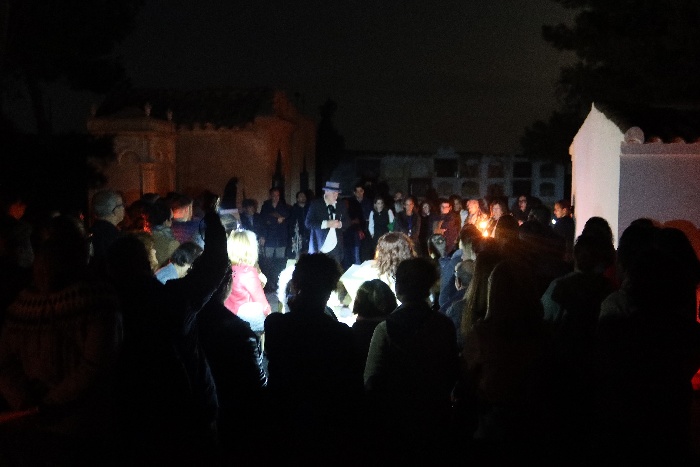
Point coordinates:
[[327, 219]]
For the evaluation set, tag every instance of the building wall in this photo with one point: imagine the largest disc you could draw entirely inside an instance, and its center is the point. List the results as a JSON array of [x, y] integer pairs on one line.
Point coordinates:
[[472, 175], [660, 181], [620, 178], [155, 156], [595, 173], [145, 151]]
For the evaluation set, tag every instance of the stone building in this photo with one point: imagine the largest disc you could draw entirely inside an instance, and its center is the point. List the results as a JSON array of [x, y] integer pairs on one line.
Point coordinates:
[[629, 163], [467, 174], [191, 141]]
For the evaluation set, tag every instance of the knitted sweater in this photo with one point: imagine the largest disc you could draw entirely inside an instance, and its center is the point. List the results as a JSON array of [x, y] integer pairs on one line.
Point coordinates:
[[57, 350]]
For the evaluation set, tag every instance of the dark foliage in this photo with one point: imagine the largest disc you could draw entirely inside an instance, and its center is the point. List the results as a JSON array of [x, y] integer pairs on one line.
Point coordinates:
[[637, 51], [68, 41], [52, 173]]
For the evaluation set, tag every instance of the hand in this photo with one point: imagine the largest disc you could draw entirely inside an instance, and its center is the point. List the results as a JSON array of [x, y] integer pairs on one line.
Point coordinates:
[[361, 234], [280, 220], [261, 241], [334, 224]]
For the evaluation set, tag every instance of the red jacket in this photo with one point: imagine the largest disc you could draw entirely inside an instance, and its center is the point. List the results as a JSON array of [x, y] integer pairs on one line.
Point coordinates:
[[246, 288]]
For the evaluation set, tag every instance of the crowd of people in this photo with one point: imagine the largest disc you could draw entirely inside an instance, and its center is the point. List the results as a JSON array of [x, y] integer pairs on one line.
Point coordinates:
[[483, 333]]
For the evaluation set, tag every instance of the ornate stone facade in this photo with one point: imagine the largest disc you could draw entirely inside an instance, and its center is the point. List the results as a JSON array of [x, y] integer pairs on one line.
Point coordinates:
[[190, 142]]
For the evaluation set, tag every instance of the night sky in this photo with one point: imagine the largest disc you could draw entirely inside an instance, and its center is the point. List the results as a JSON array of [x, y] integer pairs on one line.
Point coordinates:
[[407, 75]]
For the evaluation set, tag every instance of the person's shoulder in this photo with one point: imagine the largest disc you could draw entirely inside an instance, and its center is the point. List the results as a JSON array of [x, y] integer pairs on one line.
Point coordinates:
[[240, 327], [616, 306], [443, 322], [316, 202]]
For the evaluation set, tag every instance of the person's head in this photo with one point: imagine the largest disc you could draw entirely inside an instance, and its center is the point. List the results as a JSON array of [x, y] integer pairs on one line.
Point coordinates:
[[464, 270], [599, 227], [506, 229], [331, 191], [456, 202], [591, 254], [522, 203], [477, 292], [242, 247], [635, 242], [314, 278], [274, 195], [562, 208], [150, 198], [473, 207], [398, 197], [675, 245], [129, 257], [378, 204], [182, 206], [662, 271], [392, 248], [498, 208], [159, 213], [12, 203], [469, 238], [425, 208], [445, 206], [359, 191], [149, 245], [540, 213], [374, 299], [509, 279], [17, 208], [409, 205], [436, 246], [136, 217], [301, 198], [415, 278], [61, 258], [224, 290], [108, 205], [250, 207], [183, 257], [15, 242]]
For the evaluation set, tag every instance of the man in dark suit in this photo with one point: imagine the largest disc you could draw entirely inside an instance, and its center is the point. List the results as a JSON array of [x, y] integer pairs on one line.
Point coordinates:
[[298, 232], [250, 219], [327, 219]]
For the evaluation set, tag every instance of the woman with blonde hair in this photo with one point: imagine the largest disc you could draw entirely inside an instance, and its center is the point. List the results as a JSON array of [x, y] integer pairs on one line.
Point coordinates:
[[247, 299]]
